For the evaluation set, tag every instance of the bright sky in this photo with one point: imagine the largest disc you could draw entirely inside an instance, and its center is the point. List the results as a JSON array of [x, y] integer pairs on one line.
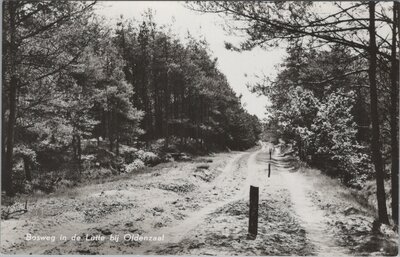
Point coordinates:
[[239, 68]]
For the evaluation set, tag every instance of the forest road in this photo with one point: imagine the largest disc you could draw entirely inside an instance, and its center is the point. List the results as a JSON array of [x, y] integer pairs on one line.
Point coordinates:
[[170, 200], [233, 183], [289, 221], [198, 207]]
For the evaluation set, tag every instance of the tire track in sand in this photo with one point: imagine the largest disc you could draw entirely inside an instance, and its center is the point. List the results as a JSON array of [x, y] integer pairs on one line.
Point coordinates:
[[310, 216], [176, 233]]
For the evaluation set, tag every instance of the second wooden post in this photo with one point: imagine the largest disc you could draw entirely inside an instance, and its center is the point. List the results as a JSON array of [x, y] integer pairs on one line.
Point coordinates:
[[269, 169]]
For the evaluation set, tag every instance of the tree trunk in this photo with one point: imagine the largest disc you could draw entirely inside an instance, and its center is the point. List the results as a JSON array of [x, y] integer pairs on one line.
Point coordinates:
[[27, 168], [4, 103], [12, 97], [375, 143], [144, 97], [3, 145], [157, 110], [166, 97], [104, 125], [394, 92], [300, 146], [79, 152], [110, 130], [73, 143], [117, 146]]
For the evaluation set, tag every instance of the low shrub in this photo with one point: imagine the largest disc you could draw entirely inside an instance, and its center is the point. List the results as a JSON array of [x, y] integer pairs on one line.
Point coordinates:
[[148, 157], [89, 161], [128, 153], [134, 166]]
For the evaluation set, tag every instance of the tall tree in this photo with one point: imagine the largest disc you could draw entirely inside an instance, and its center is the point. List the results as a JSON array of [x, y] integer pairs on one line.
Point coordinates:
[[376, 141], [347, 25], [394, 115], [35, 26]]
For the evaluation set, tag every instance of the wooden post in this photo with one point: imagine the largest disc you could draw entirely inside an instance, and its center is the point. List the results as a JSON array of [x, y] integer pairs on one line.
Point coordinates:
[[253, 214], [270, 154], [269, 169]]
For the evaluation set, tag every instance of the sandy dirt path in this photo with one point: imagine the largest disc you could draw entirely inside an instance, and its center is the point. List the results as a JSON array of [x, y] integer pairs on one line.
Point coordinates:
[[197, 208], [292, 220], [168, 201], [310, 216], [174, 234], [224, 232]]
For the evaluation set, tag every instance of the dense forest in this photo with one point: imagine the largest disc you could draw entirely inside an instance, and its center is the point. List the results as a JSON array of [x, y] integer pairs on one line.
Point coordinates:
[[80, 95], [335, 98]]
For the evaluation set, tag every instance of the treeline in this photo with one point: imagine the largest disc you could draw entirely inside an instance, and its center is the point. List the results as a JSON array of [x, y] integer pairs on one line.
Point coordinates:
[[336, 96], [181, 90], [325, 120], [69, 79]]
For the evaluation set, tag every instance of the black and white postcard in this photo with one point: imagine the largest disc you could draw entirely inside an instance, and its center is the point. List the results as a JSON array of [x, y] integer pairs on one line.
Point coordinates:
[[196, 128]]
